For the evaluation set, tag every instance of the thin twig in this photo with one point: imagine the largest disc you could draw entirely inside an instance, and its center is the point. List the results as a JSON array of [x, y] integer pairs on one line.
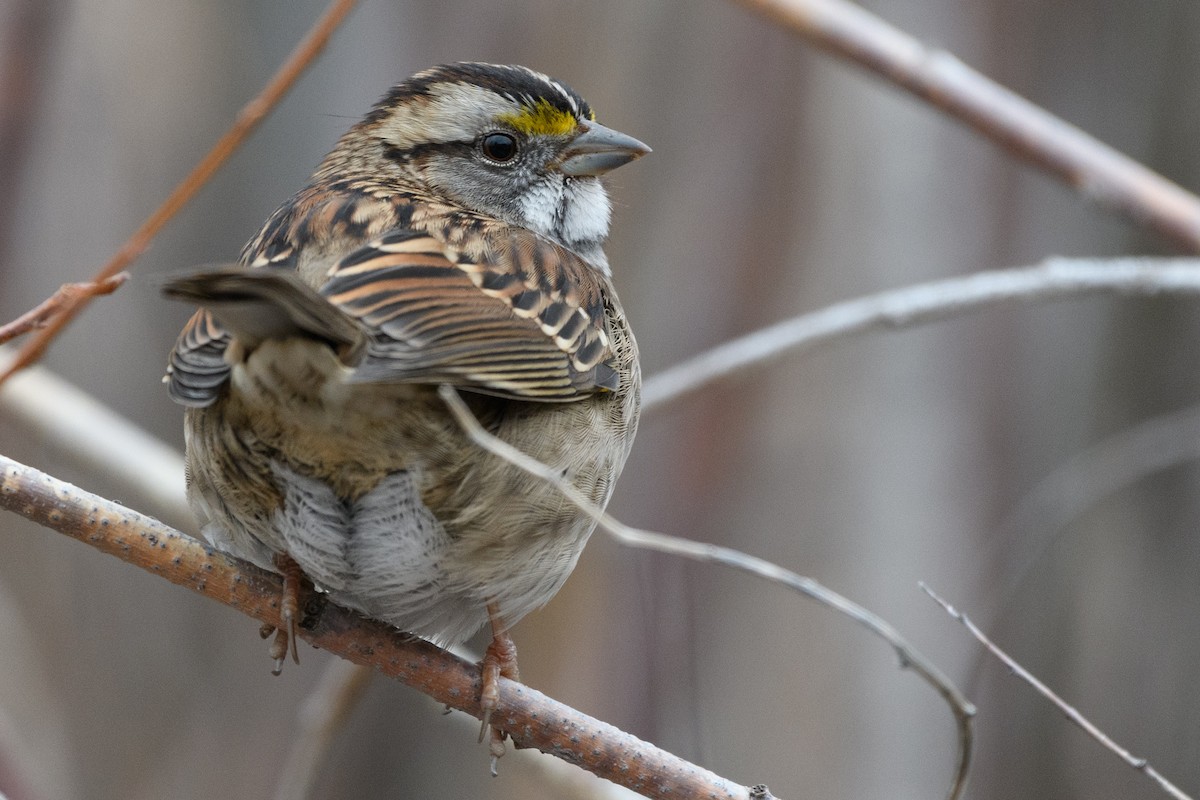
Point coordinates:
[[247, 120], [1068, 711], [528, 716], [1056, 279], [1100, 173], [909, 657], [66, 294]]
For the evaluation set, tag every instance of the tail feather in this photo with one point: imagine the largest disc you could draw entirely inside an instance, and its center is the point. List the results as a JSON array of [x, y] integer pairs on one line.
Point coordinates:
[[259, 304]]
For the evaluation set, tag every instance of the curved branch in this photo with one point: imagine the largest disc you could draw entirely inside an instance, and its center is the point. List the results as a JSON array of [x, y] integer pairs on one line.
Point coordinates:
[[529, 717], [1056, 279], [38, 316], [1100, 173], [908, 655], [1069, 711]]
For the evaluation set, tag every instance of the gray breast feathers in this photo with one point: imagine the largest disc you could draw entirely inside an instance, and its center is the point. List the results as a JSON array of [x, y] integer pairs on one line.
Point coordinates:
[[380, 555]]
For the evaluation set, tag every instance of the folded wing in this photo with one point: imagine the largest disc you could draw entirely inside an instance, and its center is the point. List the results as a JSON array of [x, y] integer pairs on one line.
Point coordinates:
[[521, 318]]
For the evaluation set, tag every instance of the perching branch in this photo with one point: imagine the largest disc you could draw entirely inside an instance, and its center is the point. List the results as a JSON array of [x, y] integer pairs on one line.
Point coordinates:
[[1100, 173], [529, 717], [247, 120], [909, 657], [1056, 279], [1068, 711]]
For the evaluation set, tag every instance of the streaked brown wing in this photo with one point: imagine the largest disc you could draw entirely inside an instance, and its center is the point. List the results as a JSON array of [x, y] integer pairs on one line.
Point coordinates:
[[197, 368], [523, 320]]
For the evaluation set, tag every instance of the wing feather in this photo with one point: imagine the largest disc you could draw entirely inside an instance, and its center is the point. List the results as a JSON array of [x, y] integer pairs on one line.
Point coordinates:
[[497, 322], [503, 312]]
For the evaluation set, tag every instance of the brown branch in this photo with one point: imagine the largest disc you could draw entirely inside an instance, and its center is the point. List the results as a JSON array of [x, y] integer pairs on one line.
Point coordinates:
[[1100, 173], [247, 120], [1068, 711], [67, 293], [529, 717]]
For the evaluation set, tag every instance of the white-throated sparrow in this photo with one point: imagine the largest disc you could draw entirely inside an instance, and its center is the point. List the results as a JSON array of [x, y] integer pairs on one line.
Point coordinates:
[[453, 236]]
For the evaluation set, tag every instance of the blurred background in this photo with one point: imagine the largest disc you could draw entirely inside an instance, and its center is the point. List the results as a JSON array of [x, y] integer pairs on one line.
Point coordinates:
[[781, 181]]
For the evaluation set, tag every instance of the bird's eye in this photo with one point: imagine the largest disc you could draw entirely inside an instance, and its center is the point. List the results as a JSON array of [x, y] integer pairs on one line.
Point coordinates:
[[499, 147]]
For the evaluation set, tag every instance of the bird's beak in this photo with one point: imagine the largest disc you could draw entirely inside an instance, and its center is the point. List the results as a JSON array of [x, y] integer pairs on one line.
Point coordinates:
[[598, 150]]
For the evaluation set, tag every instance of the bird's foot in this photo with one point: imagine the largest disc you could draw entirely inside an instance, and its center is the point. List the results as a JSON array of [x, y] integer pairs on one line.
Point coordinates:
[[289, 613], [499, 660]]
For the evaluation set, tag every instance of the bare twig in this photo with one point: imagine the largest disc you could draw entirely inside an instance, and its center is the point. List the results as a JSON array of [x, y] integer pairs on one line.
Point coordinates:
[[66, 294], [529, 717], [1100, 173], [1068, 711], [1056, 279], [247, 120], [322, 715], [909, 657]]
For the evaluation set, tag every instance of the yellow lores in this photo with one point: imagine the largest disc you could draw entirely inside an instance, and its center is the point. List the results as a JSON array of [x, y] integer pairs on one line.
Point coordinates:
[[541, 119]]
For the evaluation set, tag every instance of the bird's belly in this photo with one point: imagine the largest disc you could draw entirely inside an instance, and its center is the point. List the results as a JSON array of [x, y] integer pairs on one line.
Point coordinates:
[[383, 501], [429, 557]]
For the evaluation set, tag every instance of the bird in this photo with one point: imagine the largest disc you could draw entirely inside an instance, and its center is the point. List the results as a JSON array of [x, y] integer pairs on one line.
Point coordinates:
[[454, 236]]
